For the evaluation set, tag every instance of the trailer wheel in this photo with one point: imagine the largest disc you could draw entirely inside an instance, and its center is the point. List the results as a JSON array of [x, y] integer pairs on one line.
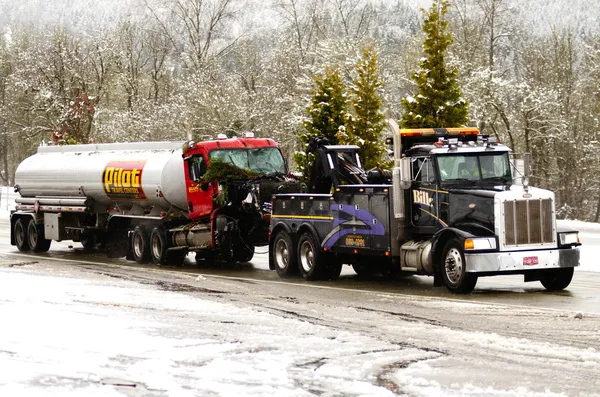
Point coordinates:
[[140, 245], [310, 258], [454, 272], [557, 279], [20, 234], [283, 255], [159, 245], [35, 238]]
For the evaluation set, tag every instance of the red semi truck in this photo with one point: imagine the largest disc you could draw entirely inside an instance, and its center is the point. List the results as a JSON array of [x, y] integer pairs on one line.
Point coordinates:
[[148, 200]]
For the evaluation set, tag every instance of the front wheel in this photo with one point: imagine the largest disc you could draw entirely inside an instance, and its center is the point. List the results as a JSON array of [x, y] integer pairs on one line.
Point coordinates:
[[20, 234], [282, 255], [36, 239], [454, 271], [557, 279]]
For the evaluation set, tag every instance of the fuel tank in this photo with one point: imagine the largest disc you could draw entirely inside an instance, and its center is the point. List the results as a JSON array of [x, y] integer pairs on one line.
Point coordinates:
[[148, 174]]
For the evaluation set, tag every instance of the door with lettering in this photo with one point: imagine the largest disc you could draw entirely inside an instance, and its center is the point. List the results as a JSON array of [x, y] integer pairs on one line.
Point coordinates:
[[424, 194]]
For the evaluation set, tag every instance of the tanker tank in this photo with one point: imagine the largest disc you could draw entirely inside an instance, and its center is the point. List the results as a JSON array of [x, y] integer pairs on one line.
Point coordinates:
[[147, 174]]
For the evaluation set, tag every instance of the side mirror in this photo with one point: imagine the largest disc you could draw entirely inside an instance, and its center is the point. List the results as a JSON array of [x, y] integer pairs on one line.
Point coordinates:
[[405, 173]]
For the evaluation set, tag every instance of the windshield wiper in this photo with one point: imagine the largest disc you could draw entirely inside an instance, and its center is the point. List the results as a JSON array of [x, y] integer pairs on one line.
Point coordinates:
[[496, 179], [461, 180]]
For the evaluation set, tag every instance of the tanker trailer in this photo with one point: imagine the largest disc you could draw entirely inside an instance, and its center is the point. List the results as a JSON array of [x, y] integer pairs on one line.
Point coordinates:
[[148, 200]]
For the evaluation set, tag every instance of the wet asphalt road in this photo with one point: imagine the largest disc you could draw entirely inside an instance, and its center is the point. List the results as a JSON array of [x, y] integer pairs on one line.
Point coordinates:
[[506, 335], [583, 294]]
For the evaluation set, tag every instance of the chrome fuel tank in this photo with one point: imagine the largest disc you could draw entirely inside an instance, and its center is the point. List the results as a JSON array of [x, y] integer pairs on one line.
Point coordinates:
[[146, 173]]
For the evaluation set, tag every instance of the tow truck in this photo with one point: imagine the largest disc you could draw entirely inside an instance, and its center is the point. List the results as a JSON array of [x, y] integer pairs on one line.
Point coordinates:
[[452, 208]]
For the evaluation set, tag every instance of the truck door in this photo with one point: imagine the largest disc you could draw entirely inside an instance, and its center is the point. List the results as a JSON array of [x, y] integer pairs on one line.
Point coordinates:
[[199, 193], [424, 195]]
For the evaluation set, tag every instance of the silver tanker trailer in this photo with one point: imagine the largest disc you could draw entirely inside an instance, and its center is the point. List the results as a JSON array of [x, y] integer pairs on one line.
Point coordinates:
[[148, 200]]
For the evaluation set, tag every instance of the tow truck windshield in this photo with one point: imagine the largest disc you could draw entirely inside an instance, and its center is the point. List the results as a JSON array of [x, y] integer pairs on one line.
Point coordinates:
[[475, 168], [264, 160]]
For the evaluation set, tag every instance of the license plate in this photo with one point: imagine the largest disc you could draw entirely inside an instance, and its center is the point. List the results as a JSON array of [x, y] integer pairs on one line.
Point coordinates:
[[355, 240], [530, 261]]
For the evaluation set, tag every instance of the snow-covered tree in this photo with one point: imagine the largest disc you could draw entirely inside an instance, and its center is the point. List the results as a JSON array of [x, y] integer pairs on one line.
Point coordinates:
[[326, 115], [365, 120], [438, 101]]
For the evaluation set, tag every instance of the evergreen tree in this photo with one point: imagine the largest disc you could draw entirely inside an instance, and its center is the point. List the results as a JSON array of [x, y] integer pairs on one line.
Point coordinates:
[[326, 114], [366, 121], [438, 101]]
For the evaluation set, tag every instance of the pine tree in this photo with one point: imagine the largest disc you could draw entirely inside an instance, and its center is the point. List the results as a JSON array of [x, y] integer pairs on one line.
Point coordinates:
[[438, 101], [326, 114], [366, 122]]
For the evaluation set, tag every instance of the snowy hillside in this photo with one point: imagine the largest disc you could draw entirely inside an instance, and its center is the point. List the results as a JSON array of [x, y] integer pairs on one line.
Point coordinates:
[[82, 14]]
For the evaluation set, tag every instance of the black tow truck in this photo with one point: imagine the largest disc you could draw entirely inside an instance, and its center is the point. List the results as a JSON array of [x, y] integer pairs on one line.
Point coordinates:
[[450, 209]]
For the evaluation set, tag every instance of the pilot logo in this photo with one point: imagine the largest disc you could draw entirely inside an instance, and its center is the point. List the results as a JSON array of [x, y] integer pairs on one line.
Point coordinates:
[[123, 180]]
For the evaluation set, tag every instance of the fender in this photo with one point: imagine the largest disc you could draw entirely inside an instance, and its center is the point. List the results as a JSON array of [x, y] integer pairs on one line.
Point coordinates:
[[439, 240]]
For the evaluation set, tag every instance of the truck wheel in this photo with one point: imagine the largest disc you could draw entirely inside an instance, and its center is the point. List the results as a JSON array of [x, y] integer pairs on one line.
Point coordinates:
[[334, 268], [158, 246], [364, 270], [557, 279], [140, 245], [158, 249], [20, 234], [35, 238], [243, 253], [283, 255], [454, 271], [310, 258]]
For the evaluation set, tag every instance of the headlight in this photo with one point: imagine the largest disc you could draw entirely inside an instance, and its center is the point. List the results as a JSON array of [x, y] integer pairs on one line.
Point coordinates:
[[569, 238], [480, 244]]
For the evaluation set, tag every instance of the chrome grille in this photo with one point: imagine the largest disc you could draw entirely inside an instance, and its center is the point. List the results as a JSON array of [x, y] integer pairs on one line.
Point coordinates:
[[528, 222]]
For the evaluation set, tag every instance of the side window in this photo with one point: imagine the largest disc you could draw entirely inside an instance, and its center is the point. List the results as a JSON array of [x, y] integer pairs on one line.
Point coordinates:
[[423, 170], [196, 168]]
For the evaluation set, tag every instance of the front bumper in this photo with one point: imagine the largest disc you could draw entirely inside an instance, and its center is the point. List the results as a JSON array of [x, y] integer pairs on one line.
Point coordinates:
[[513, 261]]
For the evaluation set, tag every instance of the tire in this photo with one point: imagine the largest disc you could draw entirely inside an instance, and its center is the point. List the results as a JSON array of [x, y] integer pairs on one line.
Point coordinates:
[[310, 258], [557, 279], [159, 254], [243, 253], [36, 239], [334, 268], [140, 245], [453, 269], [88, 241], [20, 234], [283, 255], [363, 270]]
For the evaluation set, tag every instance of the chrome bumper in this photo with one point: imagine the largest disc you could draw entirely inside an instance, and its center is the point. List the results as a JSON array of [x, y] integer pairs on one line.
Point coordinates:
[[513, 260]]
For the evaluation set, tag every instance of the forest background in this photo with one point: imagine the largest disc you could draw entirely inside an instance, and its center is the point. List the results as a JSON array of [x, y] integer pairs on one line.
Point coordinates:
[[135, 70]]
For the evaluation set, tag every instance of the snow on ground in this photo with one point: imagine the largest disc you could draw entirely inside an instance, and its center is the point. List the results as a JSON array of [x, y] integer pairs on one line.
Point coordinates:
[[588, 232]]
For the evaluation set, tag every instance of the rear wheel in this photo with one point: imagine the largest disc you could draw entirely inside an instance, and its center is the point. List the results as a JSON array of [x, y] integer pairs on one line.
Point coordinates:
[[454, 271], [283, 255], [310, 258], [557, 279], [35, 237], [140, 245], [20, 234], [159, 253], [364, 270]]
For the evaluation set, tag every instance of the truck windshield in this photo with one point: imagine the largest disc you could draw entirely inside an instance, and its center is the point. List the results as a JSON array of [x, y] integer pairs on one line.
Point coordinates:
[[264, 160], [475, 167]]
